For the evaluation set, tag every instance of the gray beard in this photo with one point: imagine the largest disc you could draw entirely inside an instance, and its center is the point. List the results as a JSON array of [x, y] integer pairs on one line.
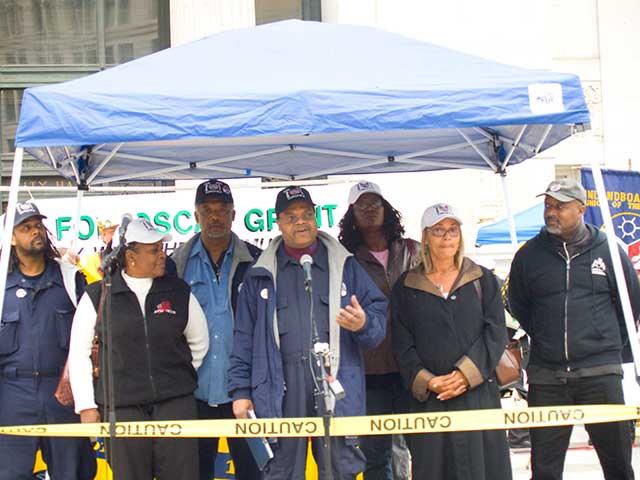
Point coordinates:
[[553, 230]]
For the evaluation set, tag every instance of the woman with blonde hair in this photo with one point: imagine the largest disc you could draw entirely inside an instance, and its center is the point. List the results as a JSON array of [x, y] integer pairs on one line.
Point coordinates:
[[448, 334]]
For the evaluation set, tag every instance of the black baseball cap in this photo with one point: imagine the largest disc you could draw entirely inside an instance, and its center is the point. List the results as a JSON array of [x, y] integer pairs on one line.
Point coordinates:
[[213, 189], [25, 211], [291, 195]]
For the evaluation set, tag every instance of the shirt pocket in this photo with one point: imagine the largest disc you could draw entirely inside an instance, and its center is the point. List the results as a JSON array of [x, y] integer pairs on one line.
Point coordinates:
[[9, 333], [64, 319], [201, 292]]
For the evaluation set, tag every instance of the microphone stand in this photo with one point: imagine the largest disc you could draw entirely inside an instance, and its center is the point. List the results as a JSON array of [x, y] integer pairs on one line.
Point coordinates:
[[108, 267], [320, 355]]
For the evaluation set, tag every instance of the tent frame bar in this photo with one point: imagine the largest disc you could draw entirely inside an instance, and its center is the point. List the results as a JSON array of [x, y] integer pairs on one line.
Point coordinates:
[[50, 155], [206, 163], [514, 145], [537, 148], [104, 162], [478, 151]]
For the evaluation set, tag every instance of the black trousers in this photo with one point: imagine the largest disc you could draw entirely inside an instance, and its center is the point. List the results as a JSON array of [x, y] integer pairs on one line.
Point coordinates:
[[612, 441], [159, 458], [243, 461], [385, 394]]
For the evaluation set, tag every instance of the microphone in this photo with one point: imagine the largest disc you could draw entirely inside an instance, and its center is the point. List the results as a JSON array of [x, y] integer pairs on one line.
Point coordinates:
[[109, 260], [124, 223], [306, 261]]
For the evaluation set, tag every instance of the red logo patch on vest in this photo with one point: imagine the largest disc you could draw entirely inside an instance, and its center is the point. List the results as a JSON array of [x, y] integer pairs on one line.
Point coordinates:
[[164, 307]]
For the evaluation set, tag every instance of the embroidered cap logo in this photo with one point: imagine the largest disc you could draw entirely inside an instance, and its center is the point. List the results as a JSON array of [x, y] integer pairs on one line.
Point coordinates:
[[443, 209], [216, 187], [294, 193], [365, 186]]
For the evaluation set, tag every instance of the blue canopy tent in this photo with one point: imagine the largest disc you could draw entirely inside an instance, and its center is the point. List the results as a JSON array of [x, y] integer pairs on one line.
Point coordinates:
[[294, 100], [528, 224]]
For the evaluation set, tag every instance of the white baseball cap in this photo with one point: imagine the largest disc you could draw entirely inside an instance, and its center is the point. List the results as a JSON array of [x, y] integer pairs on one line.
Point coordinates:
[[362, 187], [141, 230], [436, 213]]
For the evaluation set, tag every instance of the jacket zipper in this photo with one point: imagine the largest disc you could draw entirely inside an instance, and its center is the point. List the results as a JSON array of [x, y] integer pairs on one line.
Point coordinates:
[[148, 349], [566, 302]]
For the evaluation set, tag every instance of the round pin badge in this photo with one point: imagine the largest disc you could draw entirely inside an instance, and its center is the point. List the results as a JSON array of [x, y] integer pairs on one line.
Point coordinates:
[[554, 187], [21, 293], [264, 293]]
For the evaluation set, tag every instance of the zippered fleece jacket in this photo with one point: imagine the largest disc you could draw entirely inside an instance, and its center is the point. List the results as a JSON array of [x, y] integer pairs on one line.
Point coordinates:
[[151, 356], [256, 370], [568, 303]]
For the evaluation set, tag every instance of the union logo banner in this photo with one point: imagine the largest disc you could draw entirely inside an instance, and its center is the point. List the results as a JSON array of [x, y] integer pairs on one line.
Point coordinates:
[[623, 195]]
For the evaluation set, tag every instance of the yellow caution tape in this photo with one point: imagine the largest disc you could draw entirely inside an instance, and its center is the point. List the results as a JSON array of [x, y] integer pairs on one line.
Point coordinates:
[[458, 421]]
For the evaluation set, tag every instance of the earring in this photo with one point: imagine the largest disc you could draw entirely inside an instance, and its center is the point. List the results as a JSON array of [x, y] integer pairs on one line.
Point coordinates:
[[132, 263]]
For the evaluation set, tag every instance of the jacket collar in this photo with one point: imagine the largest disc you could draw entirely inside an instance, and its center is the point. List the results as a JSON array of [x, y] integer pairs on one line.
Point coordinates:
[[48, 275], [241, 253], [587, 239], [416, 278], [336, 254]]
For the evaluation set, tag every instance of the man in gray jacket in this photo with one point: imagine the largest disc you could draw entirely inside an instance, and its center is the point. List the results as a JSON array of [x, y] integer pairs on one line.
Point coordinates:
[[213, 262]]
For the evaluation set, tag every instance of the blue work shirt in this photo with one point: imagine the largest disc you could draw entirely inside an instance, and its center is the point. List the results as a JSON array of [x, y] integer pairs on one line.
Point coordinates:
[[212, 292], [36, 321], [294, 321]]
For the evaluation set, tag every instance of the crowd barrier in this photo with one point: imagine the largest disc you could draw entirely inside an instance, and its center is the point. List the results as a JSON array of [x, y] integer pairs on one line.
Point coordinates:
[[455, 421], [458, 421]]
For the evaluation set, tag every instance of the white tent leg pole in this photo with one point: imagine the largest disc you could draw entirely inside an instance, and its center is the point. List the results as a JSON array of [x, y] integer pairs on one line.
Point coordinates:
[[76, 222], [617, 264], [512, 222], [8, 225]]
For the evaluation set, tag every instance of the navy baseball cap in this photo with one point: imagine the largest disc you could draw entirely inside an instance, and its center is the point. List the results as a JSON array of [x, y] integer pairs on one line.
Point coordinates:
[[26, 210], [291, 195], [213, 189]]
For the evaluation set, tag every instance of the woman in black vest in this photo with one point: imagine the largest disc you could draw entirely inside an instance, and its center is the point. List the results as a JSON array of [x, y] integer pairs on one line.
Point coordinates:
[[159, 337]]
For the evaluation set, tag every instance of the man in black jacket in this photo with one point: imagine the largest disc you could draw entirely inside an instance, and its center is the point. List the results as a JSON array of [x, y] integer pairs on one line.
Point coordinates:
[[563, 292], [213, 262]]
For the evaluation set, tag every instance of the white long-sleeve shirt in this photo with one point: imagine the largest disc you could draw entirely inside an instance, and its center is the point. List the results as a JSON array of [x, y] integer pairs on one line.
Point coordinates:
[[84, 322]]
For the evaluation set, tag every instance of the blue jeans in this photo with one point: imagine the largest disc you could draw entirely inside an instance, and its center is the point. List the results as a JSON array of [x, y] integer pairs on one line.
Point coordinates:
[[386, 394]]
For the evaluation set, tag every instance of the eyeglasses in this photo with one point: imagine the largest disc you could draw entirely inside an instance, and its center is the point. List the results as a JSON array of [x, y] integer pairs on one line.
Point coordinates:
[[376, 203], [291, 219], [441, 232]]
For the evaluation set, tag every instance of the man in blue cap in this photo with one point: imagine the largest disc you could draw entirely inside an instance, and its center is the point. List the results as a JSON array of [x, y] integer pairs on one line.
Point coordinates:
[[213, 262], [40, 299], [271, 364]]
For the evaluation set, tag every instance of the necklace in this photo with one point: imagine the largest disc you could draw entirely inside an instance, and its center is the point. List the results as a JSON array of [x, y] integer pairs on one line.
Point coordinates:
[[443, 277]]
